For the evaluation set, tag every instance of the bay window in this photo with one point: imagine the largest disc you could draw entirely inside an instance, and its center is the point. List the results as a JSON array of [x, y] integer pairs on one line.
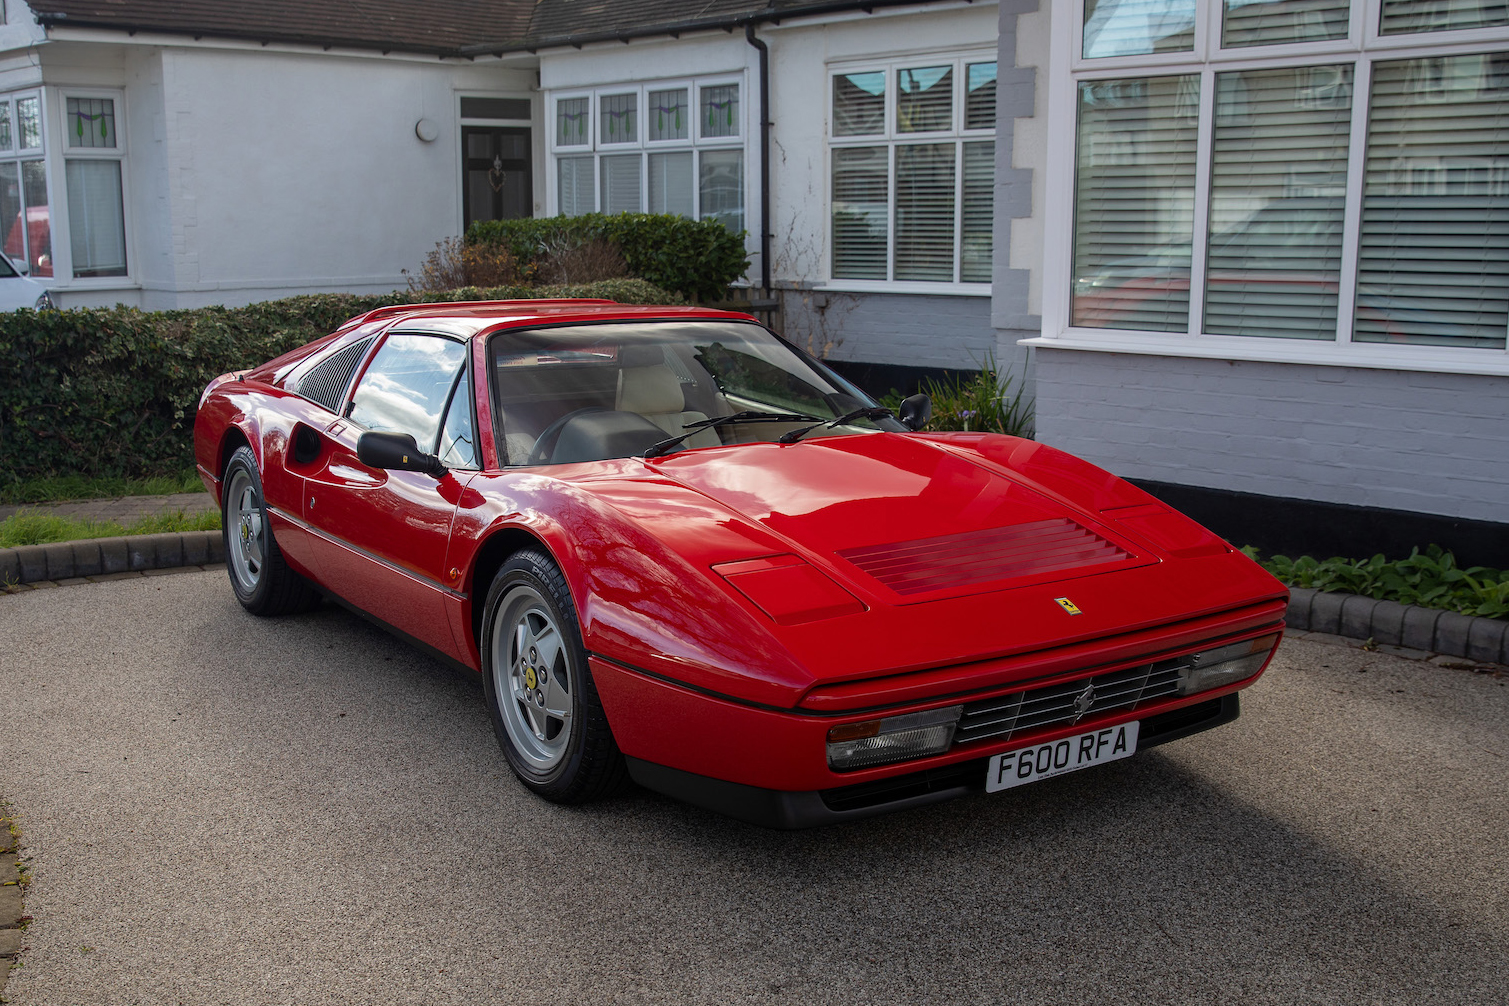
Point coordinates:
[[92, 168], [25, 217], [669, 147], [912, 170], [1319, 171]]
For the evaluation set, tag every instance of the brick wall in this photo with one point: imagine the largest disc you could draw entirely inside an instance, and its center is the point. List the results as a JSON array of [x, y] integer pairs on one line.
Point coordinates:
[[1429, 443]]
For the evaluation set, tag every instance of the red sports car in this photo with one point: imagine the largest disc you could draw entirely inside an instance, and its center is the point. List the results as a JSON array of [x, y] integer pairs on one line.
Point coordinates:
[[678, 549]]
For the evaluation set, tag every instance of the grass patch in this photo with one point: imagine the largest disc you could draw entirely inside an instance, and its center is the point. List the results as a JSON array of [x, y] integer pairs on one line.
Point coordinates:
[[61, 488], [1430, 578], [32, 527]]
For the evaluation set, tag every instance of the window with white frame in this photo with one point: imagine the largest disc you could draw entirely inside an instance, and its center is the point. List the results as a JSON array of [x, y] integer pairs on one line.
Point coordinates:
[[92, 170], [912, 169], [1311, 170], [24, 211], [667, 147]]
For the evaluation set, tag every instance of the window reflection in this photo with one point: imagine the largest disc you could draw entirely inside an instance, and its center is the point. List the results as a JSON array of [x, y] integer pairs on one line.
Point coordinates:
[[407, 386], [1133, 27]]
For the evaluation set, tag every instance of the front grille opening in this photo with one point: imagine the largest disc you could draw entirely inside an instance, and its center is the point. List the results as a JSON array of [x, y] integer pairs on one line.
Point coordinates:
[[1008, 716], [948, 779]]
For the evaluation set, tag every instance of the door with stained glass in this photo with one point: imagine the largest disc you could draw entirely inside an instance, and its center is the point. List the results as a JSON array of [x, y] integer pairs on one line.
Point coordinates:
[[497, 182]]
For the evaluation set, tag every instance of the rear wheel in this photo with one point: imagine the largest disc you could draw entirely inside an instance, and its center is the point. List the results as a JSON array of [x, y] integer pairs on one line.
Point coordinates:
[[262, 581], [544, 705]]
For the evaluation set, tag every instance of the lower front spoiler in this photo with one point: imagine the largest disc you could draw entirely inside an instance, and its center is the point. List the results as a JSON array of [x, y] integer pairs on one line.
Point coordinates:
[[771, 808]]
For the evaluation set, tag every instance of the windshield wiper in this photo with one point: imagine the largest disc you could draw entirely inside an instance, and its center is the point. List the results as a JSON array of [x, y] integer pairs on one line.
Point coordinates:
[[869, 412], [738, 417]]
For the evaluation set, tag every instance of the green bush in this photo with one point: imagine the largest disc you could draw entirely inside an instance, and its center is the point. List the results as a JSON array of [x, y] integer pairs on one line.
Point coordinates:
[[984, 403], [1431, 578], [695, 258], [112, 392]]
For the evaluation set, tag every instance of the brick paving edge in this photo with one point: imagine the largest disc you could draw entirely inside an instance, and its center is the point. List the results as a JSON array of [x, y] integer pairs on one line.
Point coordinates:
[[12, 911], [69, 560], [1394, 626]]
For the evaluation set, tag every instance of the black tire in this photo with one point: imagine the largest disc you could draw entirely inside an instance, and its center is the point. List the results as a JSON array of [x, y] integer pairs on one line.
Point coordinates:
[[534, 669], [262, 581]]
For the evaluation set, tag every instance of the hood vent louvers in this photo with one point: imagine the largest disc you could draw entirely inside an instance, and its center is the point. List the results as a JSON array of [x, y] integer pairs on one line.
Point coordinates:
[[980, 557]]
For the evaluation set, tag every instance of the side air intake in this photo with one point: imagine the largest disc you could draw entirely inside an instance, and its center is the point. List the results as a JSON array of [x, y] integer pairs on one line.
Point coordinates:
[[326, 383]]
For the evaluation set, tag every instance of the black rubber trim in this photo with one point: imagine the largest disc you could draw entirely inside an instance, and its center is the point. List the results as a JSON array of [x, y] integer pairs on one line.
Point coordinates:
[[784, 810]]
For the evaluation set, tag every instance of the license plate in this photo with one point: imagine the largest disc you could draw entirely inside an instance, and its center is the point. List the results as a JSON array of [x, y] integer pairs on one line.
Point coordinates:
[[1042, 761]]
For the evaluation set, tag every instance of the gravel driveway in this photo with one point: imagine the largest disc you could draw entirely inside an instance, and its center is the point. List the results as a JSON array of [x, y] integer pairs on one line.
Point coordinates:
[[228, 810]]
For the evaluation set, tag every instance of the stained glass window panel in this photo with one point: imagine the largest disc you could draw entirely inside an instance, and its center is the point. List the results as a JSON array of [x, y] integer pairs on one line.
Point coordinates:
[[620, 118], [91, 122], [668, 115], [720, 111], [29, 119], [571, 116]]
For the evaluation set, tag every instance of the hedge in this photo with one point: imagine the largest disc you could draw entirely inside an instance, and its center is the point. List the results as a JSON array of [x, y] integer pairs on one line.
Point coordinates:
[[112, 392], [696, 258]]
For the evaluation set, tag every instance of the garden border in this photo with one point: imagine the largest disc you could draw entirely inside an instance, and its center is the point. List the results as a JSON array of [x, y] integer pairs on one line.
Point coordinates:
[[1389, 623], [136, 553]]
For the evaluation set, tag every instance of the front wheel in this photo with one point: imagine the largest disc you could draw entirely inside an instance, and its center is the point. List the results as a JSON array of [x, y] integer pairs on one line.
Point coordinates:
[[544, 706], [262, 581]]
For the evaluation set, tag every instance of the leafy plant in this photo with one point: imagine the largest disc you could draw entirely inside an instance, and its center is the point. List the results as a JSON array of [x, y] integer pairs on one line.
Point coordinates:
[[985, 402], [1430, 578], [695, 258], [454, 264]]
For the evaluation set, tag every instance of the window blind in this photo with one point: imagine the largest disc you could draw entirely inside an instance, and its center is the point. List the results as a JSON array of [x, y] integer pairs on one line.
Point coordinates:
[[671, 183], [620, 181], [1270, 22], [574, 185], [96, 224], [977, 226], [722, 184], [925, 211], [1401, 16], [1134, 202], [1132, 27], [1433, 258], [1278, 186], [861, 203]]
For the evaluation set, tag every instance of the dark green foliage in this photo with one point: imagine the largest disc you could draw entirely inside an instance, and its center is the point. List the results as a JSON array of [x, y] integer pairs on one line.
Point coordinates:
[[112, 392], [984, 403], [1430, 578], [696, 258]]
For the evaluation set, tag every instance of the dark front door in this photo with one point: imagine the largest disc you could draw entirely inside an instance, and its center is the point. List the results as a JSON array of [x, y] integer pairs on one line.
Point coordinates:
[[497, 184]]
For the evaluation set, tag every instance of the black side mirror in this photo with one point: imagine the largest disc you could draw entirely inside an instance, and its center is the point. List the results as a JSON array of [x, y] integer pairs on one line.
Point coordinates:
[[396, 452], [916, 411]]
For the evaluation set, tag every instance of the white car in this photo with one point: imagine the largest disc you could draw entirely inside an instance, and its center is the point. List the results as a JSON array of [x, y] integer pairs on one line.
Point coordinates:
[[18, 290]]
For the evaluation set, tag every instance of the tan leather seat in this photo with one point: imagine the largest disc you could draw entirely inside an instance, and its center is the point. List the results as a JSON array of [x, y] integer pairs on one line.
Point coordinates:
[[655, 393]]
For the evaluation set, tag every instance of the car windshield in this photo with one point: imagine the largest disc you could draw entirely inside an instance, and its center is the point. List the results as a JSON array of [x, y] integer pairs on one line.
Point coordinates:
[[617, 389]]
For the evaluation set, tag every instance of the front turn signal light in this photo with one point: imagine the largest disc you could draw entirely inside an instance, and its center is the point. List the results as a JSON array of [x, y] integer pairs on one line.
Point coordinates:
[[1224, 665], [896, 738]]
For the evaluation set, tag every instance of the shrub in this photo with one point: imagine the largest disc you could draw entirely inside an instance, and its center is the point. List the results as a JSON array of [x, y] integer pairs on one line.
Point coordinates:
[[1431, 578], [695, 258], [985, 403], [112, 392], [454, 264]]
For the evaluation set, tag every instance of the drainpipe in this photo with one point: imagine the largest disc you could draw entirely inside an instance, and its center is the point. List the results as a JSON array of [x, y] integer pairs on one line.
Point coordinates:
[[749, 36]]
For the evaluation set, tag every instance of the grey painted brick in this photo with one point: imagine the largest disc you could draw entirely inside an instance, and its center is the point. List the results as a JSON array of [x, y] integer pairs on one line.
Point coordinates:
[[141, 552], [59, 560], [196, 548], [33, 562], [1297, 616], [86, 558], [1485, 639], [1451, 633], [1015, 92], [1325, 612], [114, 556], [1388, 623], [1357, 616], [1419, 630]]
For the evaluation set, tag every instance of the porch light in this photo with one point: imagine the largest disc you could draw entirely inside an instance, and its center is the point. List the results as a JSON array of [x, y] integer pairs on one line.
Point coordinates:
[[895, 738]]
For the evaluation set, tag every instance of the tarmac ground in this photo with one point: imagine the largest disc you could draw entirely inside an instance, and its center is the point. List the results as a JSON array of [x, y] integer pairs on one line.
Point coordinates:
[[223, 809]]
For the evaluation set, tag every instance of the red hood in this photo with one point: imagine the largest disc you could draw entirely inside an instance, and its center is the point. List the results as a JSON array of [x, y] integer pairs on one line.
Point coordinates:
[[905, 517]]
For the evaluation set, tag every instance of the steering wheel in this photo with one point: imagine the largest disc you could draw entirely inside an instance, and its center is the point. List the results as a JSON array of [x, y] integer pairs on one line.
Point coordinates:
[[551, 435]]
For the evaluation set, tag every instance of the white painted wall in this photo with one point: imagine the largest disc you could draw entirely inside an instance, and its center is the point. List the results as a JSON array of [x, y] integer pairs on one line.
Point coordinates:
[[253, 174]]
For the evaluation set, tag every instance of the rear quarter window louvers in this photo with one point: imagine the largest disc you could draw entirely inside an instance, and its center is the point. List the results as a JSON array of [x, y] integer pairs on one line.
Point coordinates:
[[326, 383]]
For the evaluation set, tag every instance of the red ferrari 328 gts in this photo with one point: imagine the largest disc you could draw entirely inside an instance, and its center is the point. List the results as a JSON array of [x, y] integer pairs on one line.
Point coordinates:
[[679, 549]]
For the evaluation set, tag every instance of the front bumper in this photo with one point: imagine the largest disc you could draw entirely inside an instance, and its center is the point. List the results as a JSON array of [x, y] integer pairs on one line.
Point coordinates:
[[772, 808]]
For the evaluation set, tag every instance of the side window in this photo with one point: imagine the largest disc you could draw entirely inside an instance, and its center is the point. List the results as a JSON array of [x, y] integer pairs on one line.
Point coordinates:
[[458, 445], [406, 387]]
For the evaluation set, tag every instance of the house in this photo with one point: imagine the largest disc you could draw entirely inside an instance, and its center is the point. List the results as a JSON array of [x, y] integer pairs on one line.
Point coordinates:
[[1252, 254]]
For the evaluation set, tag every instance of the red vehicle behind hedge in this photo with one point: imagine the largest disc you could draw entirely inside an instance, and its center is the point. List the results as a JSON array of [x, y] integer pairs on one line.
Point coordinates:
[[678, 549]]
